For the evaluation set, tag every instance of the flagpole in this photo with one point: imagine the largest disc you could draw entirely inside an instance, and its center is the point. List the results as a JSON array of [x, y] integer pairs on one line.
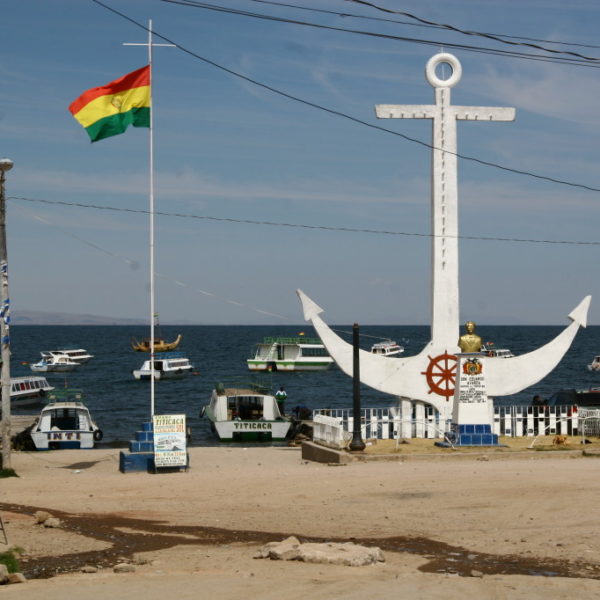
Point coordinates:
[[151, 200], [151, 210]]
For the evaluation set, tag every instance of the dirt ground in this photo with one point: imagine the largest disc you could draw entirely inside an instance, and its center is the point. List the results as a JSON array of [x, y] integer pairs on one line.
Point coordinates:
[[496, 525]]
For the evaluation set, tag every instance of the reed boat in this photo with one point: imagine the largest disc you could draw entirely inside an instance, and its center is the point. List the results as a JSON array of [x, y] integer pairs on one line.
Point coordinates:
[[160, 345]]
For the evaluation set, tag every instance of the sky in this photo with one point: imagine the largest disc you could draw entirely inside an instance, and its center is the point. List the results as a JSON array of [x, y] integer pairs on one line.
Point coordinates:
[[255, 192]]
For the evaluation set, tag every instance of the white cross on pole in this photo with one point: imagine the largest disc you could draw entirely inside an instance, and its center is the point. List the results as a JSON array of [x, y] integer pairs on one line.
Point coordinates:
[[150, 45], [444, 188]]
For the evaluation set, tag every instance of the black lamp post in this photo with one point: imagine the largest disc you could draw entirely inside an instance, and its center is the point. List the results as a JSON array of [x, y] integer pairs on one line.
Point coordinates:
[[356, 445]]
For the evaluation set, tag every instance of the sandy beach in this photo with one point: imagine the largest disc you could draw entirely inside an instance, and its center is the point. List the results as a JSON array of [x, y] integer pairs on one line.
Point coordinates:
[[495, 526]]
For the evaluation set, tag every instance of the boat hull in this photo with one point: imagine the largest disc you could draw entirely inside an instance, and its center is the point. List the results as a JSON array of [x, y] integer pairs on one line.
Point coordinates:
[[62, 440], [251, 431], [37, 368], [159, 375], [276, 365]]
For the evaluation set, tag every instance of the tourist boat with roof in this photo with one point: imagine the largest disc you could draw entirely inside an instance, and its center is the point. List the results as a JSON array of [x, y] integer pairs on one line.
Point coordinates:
[[167, 365], [493, 352], [387, 348], [297, 353], [245, 414], [65, 422], [54, 362], [28, 390], [78, 355]]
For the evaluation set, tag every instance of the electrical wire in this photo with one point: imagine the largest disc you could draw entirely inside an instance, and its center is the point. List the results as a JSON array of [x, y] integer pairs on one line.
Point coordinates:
[[577, 60], [344, 115], [302, 225], [490, 36], [421, 23], [134, 264]]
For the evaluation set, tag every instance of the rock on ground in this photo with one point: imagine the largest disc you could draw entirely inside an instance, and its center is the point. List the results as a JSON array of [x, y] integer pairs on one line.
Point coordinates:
[[348, 554]]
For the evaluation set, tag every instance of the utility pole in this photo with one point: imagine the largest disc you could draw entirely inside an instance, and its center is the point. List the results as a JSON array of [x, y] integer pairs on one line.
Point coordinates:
[[5, 165]]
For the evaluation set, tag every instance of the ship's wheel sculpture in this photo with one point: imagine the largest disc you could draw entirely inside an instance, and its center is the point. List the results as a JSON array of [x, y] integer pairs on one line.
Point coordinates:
[[441, 374]]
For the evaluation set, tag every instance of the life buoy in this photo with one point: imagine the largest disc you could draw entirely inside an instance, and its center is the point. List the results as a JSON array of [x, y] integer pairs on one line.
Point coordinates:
[[98, 435]]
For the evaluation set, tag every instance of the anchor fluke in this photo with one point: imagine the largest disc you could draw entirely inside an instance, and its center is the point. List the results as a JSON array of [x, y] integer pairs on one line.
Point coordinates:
[[311, 309], [580, 313]]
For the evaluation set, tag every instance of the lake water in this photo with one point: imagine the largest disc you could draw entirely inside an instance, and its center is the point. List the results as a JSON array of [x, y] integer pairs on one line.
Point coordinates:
[[120, 404]]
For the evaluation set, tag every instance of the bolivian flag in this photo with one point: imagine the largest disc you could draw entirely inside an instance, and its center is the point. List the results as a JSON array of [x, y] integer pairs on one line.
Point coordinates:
[[109, 109]]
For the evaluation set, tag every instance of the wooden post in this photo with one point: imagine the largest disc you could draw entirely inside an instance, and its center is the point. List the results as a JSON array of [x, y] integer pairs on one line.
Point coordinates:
[[5, 165]]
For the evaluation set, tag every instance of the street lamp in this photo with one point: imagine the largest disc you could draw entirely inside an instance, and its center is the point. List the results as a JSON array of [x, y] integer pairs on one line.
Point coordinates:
[[357, 444], [5, 165]]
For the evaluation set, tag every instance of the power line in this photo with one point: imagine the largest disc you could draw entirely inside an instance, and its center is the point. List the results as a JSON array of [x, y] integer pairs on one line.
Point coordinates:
[[300, 225], [489, 36], [422, 23], [578, 60], [344, 115], [134, 265]]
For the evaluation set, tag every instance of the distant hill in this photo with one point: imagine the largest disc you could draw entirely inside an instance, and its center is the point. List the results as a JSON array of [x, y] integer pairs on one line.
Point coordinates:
[[34, 317]]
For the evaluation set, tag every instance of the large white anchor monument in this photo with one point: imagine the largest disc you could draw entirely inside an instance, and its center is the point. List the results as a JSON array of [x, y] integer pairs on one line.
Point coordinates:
[[430, 376]]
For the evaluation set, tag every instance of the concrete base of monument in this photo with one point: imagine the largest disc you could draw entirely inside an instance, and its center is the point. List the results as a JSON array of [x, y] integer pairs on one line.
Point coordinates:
[[470, 435]]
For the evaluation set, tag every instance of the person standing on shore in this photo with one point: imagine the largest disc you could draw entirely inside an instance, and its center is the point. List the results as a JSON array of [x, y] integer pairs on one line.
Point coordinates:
[[280, 396]]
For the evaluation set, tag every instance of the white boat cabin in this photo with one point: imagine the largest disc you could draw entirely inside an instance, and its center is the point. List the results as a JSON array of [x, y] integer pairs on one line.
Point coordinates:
[[387, 348], [167, 365], [290, 354], [78, 355], [65, 425], [245, 415]]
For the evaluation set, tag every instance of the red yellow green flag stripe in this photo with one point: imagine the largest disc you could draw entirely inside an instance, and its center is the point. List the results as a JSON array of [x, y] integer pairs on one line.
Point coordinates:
[[109, 109]]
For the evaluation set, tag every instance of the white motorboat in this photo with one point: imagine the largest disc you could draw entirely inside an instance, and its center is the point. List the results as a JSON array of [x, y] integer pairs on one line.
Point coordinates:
[[167, 365], [387, 348], [492, 352], [54, 362], [245, 415], [595, 364], [65, 422], [78, 355], [290, 354], [28, 390]]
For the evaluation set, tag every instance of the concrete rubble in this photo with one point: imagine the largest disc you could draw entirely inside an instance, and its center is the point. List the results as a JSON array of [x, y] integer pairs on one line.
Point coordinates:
[[331, 553]]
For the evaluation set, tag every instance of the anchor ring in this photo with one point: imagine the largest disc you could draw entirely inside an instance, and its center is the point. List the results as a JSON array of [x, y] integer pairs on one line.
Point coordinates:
[[438, 59]]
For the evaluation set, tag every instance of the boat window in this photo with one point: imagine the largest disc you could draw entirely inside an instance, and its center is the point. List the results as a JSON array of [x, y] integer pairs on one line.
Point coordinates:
[[248, 408], [64, 418], [314, 352]]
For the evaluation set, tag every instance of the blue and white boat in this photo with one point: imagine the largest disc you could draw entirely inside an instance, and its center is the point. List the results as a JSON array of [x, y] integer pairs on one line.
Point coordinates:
[[167, 365], [65, 422]]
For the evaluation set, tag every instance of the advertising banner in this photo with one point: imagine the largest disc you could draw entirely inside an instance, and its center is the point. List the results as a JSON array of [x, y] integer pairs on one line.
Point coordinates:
[[169, 441]]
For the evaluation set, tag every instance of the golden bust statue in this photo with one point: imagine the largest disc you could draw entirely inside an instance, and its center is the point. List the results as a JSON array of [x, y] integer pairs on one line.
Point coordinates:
[[470, 341]]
